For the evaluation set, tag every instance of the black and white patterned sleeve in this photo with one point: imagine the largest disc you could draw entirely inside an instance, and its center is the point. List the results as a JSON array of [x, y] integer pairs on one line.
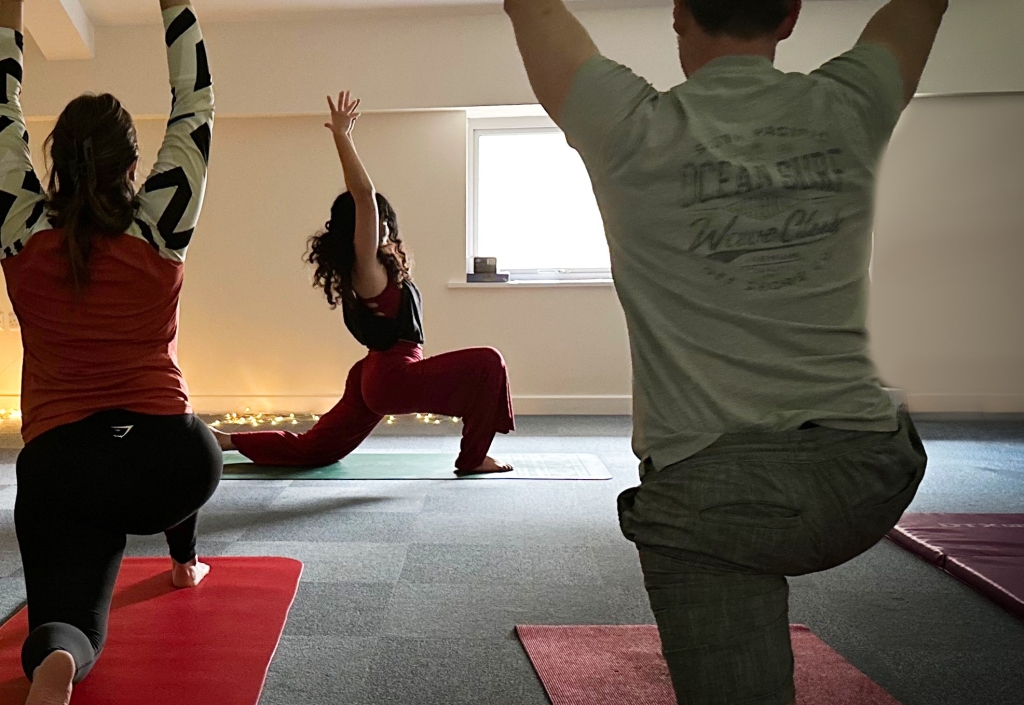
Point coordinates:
[[21, 195], [172, 196]]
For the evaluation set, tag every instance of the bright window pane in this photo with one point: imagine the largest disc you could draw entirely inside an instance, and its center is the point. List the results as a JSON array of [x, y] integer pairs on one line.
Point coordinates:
[[535, 205]]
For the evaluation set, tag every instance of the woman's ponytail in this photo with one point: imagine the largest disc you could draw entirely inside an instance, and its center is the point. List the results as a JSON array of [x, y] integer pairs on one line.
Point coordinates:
[[92, 150]]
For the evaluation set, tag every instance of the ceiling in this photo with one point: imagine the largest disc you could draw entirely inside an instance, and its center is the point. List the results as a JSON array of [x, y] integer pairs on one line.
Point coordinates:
[[115, 12]]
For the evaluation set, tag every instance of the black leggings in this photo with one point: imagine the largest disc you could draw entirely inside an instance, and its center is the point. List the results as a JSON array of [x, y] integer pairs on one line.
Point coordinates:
[[81, 489]]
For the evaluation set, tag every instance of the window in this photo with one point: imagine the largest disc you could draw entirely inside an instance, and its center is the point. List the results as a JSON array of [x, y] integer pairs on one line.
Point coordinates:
[[531, 204]]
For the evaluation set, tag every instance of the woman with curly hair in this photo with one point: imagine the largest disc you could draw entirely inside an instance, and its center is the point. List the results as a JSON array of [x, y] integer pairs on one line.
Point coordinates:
[[362, 266]]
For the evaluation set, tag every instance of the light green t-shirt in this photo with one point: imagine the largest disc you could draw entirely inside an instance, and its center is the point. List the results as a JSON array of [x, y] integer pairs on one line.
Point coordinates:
[[738, 208]]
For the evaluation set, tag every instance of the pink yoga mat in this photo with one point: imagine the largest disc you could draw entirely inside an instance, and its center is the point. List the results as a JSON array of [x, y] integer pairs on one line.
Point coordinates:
[[622, 665], [210, 645], [985, 551]]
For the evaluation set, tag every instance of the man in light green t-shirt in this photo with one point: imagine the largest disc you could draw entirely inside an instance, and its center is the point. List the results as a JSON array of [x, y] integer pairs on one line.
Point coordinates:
[[738, 209]]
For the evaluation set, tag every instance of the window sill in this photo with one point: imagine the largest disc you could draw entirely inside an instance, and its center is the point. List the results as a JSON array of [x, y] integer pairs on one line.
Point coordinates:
[[535, 284]]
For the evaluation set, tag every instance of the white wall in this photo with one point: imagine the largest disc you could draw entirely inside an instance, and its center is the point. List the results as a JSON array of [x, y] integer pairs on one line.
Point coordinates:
[[254, 333], [945, 309], [416, 60], [253, 327], [945, 317]]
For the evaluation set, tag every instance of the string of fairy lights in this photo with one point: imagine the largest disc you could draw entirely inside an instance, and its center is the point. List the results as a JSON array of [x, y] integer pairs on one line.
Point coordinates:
[[255, 420], [247, 418]]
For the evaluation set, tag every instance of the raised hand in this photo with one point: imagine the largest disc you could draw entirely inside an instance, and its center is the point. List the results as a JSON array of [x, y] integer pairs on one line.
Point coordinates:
[[343, 115]]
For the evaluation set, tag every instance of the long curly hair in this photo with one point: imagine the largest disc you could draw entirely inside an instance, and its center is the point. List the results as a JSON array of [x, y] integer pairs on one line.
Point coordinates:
[[332, 251], [90, 193]]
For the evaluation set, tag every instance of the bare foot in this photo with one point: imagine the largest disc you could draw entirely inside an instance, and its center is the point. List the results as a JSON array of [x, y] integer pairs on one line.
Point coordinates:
[[490, 465], [188, 575], [224, 440], [52, 680]]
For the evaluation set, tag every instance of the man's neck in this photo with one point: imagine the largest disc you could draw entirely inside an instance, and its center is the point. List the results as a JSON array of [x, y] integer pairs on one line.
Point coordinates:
[[698, 54]]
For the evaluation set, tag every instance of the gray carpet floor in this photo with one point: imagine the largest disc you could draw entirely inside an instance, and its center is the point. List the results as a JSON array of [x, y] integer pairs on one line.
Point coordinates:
[[411, 589]]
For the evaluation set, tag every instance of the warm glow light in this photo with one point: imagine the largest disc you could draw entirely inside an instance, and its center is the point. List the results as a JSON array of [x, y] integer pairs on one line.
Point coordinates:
[[255, 420], [247, 418]]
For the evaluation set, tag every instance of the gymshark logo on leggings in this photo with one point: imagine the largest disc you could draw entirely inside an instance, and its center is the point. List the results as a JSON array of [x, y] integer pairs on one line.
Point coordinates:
[[121, 431]]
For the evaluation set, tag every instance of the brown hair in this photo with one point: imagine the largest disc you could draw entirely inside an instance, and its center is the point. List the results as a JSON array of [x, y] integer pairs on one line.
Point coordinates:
[[334, 255], [91, 149], [744, 19]]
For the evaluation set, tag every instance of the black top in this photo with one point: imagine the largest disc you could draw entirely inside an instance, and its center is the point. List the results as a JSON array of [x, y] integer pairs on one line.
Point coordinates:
[[380, 333]]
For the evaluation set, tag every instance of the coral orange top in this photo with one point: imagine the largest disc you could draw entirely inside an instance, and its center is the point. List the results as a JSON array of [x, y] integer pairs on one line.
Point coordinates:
[[116, 348]]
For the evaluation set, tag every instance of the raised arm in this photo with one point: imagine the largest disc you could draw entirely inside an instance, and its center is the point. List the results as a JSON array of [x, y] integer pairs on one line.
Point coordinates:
[[369, 277], [908, 29], [554, 46], [172, 197], [21, 195]]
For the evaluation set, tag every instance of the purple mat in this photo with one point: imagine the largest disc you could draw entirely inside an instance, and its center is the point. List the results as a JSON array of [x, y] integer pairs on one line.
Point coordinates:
[[985, 551]]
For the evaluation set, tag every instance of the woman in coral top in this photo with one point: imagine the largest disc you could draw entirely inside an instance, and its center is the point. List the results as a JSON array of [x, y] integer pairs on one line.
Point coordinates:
[[362, 266], [94, 271]]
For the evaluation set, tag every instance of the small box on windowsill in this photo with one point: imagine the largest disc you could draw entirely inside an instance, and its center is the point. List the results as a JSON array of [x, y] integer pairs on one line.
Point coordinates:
[[487, 278], [485, 265]]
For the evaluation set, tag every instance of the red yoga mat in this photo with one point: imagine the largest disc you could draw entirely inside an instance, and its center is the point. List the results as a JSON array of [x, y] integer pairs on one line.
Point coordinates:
[[985, 551], [623, 665], [210, 645]]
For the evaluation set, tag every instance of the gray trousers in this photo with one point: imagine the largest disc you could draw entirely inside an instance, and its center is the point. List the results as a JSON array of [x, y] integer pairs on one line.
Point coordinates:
[[719, 532]]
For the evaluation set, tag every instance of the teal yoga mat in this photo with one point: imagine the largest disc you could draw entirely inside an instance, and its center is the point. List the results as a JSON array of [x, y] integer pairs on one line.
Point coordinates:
[[422, 466]]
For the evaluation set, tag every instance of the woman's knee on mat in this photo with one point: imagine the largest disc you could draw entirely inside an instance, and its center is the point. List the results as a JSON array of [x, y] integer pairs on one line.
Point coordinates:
[[59, 636]]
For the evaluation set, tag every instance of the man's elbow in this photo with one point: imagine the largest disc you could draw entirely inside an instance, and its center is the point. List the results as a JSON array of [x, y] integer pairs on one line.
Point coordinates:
[[938, 11], [937, 7], [916, 10], [532, 8]]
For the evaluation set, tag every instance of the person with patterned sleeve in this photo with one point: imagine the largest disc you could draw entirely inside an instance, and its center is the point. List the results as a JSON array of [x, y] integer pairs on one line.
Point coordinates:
[[94, 271]]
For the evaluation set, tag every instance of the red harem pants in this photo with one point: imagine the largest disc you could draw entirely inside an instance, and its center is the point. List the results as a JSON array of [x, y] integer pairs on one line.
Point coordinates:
[[471, 384]]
